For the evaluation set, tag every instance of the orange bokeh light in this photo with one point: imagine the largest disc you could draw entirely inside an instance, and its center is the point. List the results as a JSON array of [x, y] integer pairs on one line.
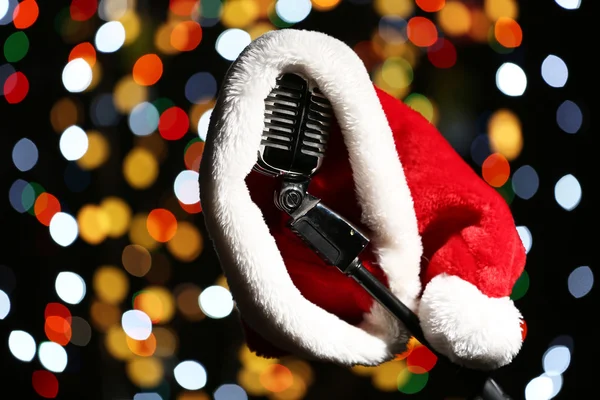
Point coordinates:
[[193, 155], [46, 205], [147, 70], [276, 378], [142, 348], [508, 32], [84, 50], [183, 8], [161, 225], [421, 31], [496, 170], [191, 208], [58, 330], [186, 35], [25, 14], [412, 343], [431, 5]]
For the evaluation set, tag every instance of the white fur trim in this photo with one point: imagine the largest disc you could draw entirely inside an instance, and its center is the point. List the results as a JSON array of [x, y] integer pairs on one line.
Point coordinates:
[[257, 276], [469, 327]]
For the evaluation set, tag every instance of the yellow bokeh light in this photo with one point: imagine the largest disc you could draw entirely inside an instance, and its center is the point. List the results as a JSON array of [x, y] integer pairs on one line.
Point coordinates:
[[131, 23], [222, 281], [97, 152], [301, 369], [455, 18], [119, 215], [385, 377], [116, 343], [362, 370], [138, 234], [64, 113], [128, 94], [145, 372], [93, 223], [397, 72], [296, 391], [140, 168], [157, 302], [250, 381], [398, 92], [136, 260], [111, 284], [96, 76], [495, 9], [259, 29], [239, 13], [162, 38], [505, 134], [104, 315], [325, 5], [187, 244], [401, 8], [166, 341], [254, 363], [423, 106]]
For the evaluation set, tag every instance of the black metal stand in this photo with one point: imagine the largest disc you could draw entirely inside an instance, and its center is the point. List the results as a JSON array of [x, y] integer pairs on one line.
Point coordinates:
[[339, 243]]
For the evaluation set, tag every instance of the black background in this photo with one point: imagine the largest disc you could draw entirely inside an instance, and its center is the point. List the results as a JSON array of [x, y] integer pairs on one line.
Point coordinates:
[[562, 240]]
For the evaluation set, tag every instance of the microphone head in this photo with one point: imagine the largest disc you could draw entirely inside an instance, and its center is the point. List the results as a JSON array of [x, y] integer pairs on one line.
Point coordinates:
[[298, 119]]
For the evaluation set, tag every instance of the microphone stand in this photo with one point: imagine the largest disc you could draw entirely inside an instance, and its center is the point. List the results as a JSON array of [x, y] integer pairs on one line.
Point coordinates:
[[339, 243]]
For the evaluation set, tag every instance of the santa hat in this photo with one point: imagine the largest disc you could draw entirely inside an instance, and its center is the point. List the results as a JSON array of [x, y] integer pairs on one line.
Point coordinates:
[[442, 240]]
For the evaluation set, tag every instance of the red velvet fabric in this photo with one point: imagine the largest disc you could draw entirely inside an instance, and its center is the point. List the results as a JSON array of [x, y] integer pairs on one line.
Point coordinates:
[[466, 227]]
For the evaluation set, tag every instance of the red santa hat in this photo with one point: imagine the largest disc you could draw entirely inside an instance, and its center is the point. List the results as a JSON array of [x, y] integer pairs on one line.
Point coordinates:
[[442, 240]]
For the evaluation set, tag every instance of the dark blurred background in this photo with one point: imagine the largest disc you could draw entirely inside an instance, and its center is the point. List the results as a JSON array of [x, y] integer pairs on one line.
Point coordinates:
[[109, 288]]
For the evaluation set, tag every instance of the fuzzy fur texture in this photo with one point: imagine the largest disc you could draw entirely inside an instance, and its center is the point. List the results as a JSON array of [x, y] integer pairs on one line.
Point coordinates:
[[433, 223], [255, 269]]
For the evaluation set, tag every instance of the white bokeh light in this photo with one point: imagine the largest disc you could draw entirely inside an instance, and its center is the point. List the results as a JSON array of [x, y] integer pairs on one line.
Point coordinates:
[[77, 75], [186, 187], [70, 287], [556, 360], [511, 79], [203, 124], [293, 11], [73, 143], [216, 302], [231, 42], [22, 345], [190, 375], [53, 357], [143, 119], [555, 71], [111, 10], [526, 238], [569, 4], [4, 4], [567, 192], [540, 388], [110, 37], [4, 304], [63, 229], [136, 324]]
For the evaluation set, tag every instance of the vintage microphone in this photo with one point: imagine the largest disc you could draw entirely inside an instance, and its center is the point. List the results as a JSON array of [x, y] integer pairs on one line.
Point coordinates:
[[298, 119]]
